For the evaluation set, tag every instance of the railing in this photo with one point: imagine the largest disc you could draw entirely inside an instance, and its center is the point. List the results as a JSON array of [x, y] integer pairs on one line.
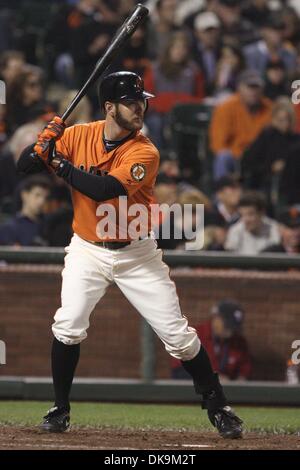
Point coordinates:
[[140, 391], [180, 258]]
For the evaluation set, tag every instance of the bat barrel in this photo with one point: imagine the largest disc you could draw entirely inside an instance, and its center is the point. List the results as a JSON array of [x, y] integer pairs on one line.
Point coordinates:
[[118, 42]]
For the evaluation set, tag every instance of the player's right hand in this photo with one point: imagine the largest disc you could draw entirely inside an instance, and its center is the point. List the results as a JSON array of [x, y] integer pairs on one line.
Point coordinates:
[[46, 139]]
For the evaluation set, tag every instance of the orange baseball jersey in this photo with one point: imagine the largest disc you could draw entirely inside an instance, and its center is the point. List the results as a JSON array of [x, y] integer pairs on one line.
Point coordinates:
[[134, 163]]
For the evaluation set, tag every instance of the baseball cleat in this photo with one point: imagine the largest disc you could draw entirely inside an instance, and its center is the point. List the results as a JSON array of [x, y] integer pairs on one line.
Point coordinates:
[[56, 420], [227, 423]]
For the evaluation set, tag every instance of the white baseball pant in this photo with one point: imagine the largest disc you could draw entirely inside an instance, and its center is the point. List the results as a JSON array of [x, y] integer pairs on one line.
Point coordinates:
[[142, 276]]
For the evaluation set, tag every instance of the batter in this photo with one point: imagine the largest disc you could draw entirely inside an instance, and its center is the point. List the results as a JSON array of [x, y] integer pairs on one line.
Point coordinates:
[[104, 162]]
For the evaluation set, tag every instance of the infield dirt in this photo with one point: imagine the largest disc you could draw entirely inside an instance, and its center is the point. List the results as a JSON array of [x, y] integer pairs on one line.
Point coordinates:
[[30, 438]]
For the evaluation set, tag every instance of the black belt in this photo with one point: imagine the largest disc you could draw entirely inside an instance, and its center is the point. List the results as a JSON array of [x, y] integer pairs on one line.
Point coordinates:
[[110, 245], [114, 245]]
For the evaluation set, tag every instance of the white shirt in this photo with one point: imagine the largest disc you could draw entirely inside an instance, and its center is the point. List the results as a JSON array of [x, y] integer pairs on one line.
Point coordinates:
[[246, 243]]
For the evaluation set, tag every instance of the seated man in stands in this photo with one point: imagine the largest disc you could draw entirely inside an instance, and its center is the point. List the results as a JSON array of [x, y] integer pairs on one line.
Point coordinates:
[[254, 232], [25, 228], [224, 342], [290, 232], [227, 198], [224, 212], [237, 121]]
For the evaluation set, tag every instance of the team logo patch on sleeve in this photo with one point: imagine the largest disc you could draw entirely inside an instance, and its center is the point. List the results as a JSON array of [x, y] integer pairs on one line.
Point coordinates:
[[138, 171]]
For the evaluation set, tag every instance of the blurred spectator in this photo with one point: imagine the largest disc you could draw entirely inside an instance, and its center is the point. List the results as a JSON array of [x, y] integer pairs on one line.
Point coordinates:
[[237, 121], [295, 5], [291, 31], [164, 24], [224, 342], [265, 158], [63, 31], [289, 188], [136, 54], [173, 79], [11, 64], [207, 46], [215, 236], [166, 194], [229, 67], [23, 93], [57, 224], [270, 47], [57, 42], [180, 226], [170, 169], [92, 24], [290, 232], [81, 114], [188, 9], [206, 6], [165, 191], [3, 133], [256, 11], [9, 178], [236, 30], [25, 228], [191, 222], [276, 83], [297, 111], [99, 10], [254, 232], [7, 28], [225, 210]]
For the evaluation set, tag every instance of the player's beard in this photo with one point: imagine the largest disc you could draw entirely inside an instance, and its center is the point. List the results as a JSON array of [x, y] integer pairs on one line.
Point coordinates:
[[125, 123]]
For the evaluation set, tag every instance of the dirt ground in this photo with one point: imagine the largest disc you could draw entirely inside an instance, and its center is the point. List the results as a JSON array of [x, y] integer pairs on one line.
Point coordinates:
[[111, 439]]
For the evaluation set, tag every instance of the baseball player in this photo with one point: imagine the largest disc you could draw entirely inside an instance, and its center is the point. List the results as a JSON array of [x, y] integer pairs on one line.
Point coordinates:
[[104, 162]]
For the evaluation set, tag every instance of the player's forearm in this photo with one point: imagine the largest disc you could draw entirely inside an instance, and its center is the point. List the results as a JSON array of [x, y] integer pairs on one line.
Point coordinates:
[[98, 188], [29, 164]]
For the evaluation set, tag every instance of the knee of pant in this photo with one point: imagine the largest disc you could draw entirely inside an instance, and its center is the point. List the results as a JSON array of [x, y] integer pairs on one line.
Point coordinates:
[[184, 347], [70, 325], [67, 337]]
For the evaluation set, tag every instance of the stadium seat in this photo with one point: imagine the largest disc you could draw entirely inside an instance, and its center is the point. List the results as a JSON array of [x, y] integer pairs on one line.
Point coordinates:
[[189, 135]]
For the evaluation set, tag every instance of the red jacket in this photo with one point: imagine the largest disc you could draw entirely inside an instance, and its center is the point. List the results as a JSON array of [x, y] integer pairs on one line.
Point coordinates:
[[166, 97], [228, 357]]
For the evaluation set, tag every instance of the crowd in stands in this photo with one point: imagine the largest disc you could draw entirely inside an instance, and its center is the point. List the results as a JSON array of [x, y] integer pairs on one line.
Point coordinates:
[[223, 118]]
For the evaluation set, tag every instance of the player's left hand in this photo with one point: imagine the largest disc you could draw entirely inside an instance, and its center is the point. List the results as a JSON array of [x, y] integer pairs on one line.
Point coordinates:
[[46, 139]]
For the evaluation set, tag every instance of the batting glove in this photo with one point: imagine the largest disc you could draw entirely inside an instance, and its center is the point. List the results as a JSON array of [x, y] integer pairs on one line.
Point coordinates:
[[46, 139]]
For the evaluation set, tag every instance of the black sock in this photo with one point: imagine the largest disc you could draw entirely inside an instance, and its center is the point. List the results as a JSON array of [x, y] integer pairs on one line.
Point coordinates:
[[200, 369], [206, 381], [64, 362]]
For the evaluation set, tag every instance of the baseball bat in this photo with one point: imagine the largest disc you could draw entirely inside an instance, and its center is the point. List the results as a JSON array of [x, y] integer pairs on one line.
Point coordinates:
[[119, 40]]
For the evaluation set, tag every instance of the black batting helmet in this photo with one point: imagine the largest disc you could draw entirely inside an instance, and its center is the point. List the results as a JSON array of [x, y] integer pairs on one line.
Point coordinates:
[[122, 86]]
